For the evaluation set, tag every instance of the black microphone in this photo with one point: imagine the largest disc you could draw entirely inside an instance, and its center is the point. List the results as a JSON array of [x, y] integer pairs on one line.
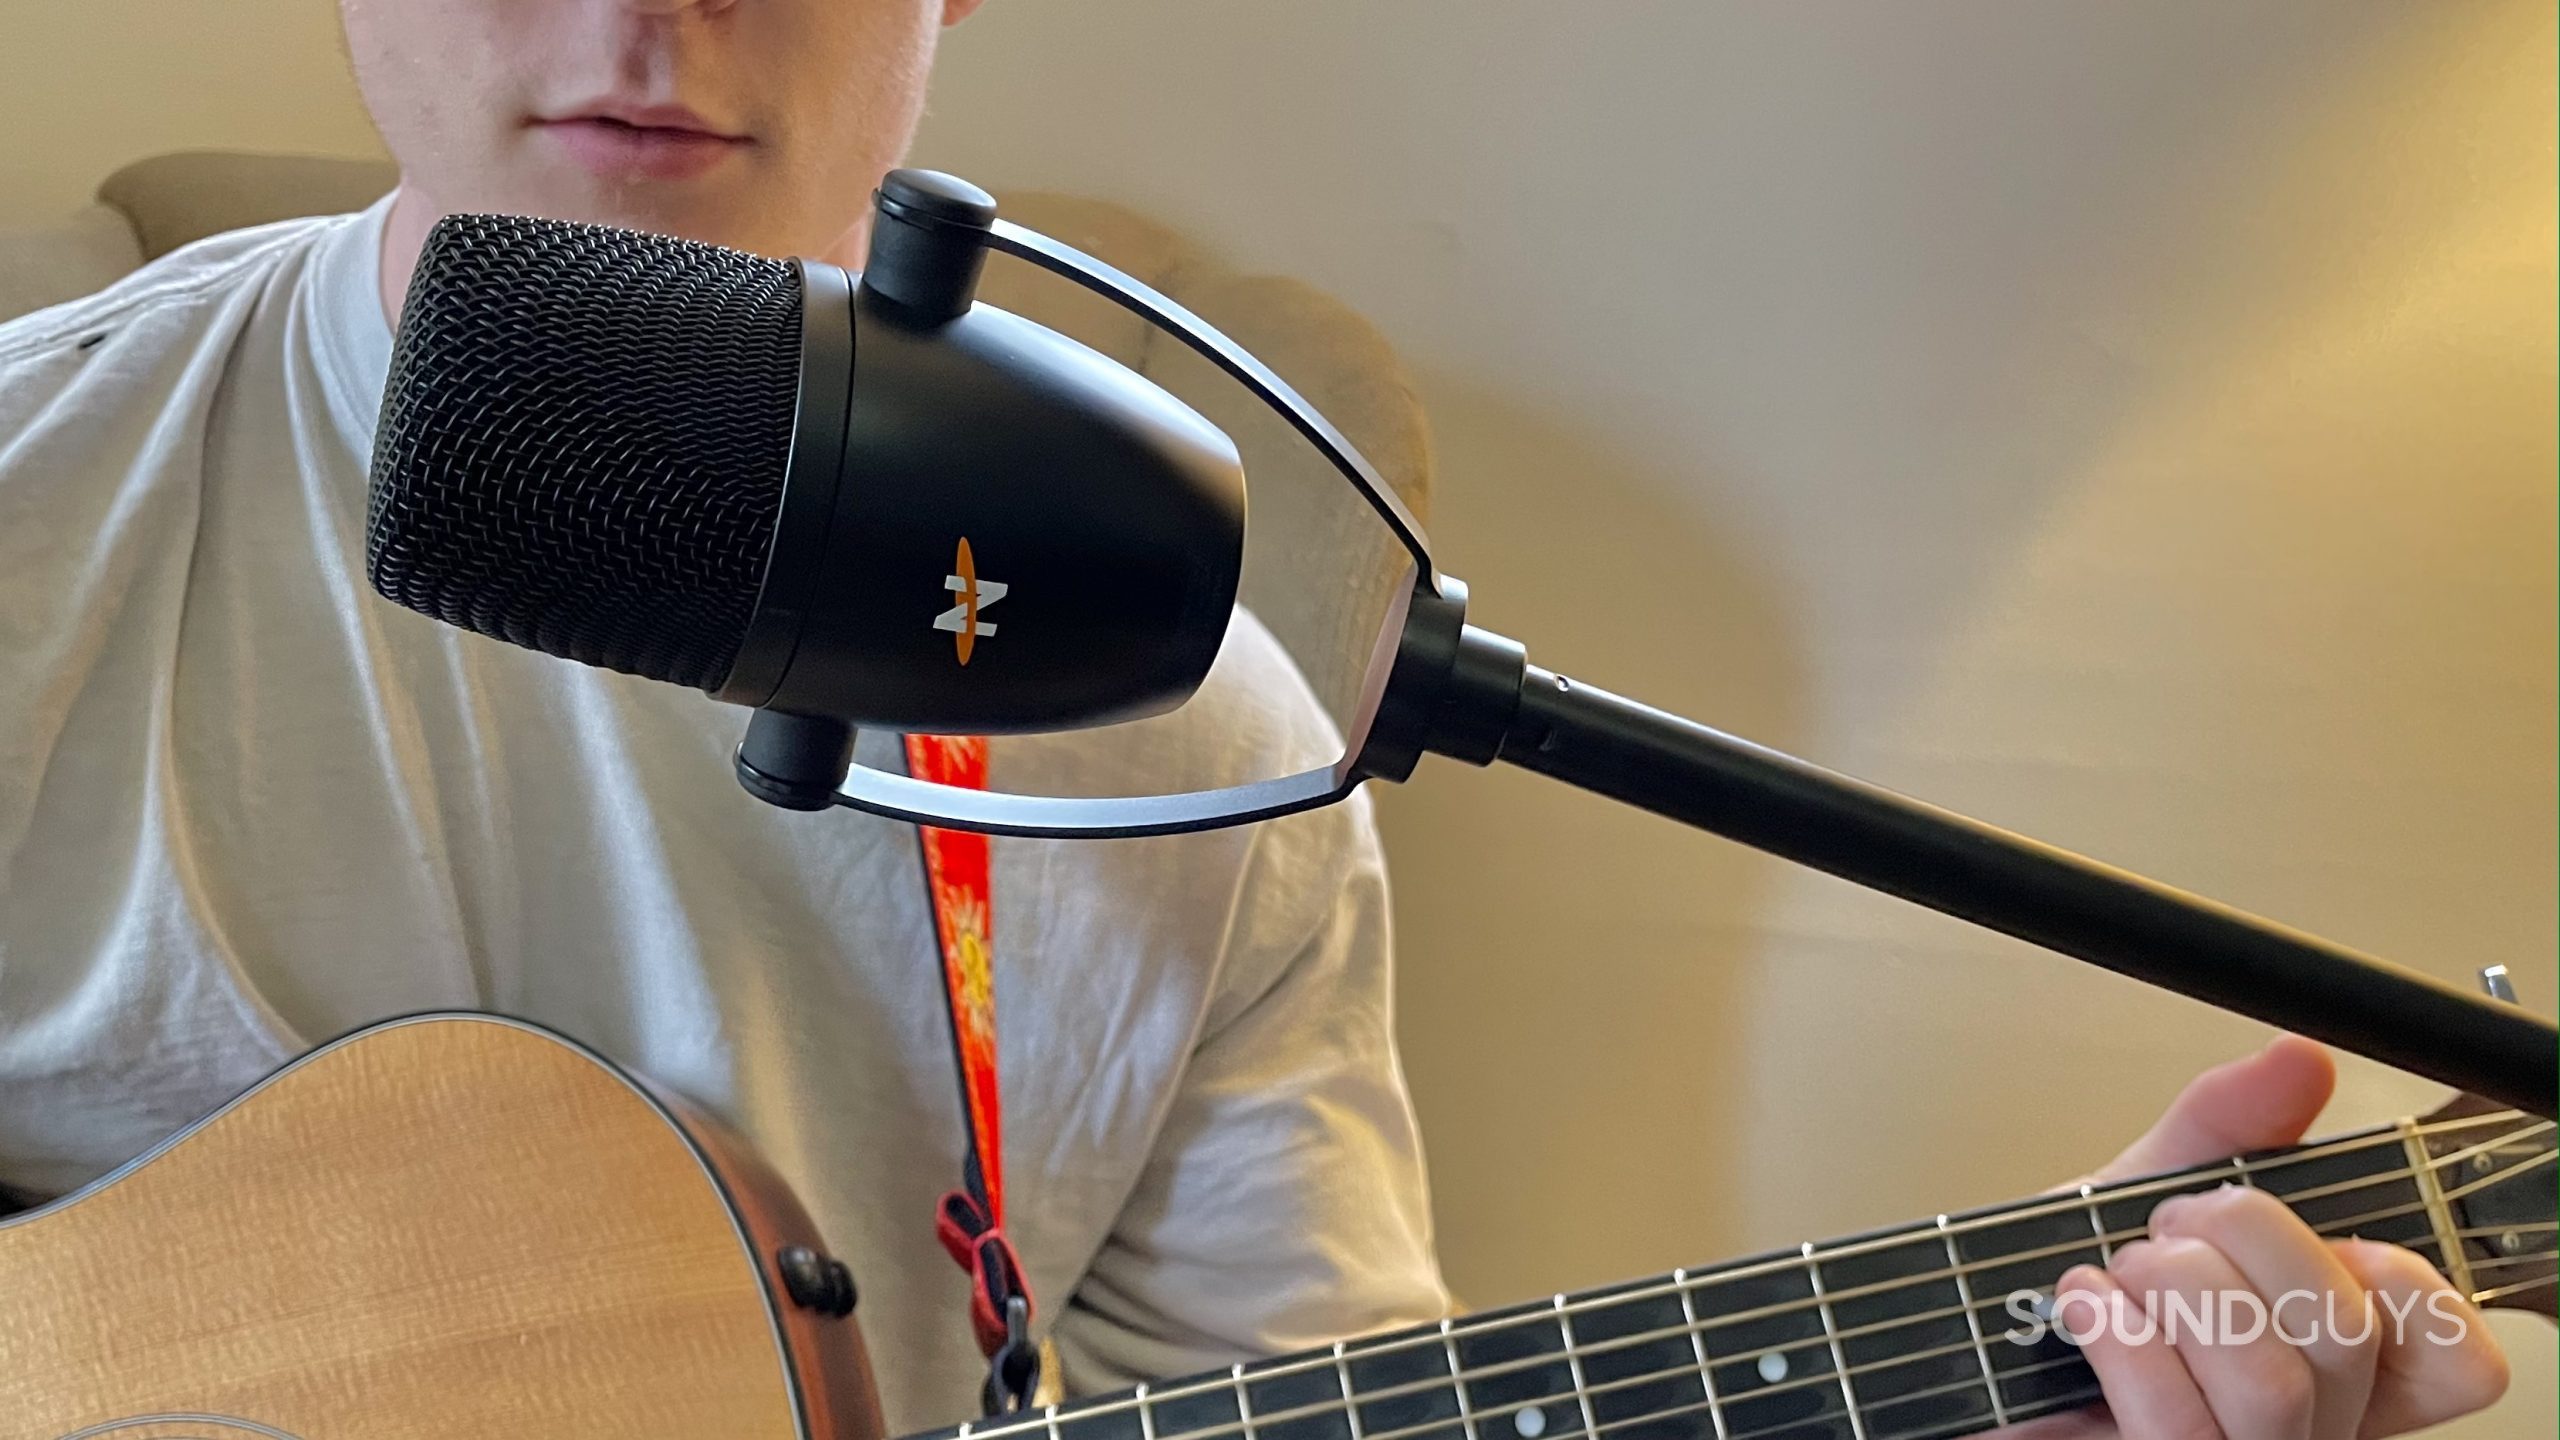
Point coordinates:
[[878, 502], [759, 479]]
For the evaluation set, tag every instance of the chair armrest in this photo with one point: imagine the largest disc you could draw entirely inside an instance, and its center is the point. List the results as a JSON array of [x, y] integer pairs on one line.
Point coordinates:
[[177, 199]]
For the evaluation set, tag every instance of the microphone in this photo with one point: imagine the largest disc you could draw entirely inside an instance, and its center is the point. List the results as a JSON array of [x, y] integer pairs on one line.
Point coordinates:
[[755, 478], [875, 501]]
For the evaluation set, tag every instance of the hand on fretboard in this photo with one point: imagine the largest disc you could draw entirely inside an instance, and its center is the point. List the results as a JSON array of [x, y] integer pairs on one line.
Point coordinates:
[[1921, 1332]]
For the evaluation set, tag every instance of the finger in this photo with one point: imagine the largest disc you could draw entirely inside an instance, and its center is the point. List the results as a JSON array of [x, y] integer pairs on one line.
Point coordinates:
[[2437, 1358], [2251, 1103], [2256, 1386], [2317, 1306], [2149, 1392]]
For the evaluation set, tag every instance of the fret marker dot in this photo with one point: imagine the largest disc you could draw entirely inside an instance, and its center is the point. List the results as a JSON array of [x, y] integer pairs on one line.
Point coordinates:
[[1531, 1422], [1773, 1367]]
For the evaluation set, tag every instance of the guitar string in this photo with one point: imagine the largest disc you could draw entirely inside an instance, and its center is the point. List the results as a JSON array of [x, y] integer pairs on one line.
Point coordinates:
[[2495, 1177], [1783, 1309], [1797, 1343], [2071, 1203], [1822, 1379], [2345, 1225], [2371, 1141], [2502, 1262], [2383, 1138], [1949, 1388], [2069, 1399], [2079, 1396], [2503, 1291], [1829, 1379], [1797, 1423], [1825, 1380], [1919, 1279]]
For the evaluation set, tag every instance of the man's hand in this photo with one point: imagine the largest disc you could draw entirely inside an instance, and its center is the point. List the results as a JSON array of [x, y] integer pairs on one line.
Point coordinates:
[[2340, 1385]]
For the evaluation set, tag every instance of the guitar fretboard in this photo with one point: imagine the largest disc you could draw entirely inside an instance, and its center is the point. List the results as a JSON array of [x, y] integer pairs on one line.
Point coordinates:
[[1921, 1332]]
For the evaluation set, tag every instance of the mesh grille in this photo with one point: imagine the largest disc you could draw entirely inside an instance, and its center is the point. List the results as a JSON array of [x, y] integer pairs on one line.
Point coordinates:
[[583, 441]]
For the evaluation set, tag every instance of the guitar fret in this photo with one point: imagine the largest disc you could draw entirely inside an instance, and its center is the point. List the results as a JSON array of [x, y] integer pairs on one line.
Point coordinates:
[[1146, 1414], [1573, 1362], [1973, 1324], [1831, 1334], [1904, 1341], [1639, 1350], [2240, 1169], [2368, 1193], [1050, 1417], [2097, 1227], [1458, 1380], [1308, 1398], [1517, 1372], [2457, 1261], [1698, 1347], [1350, 1406], [2074, 1389], [1399, 1387]]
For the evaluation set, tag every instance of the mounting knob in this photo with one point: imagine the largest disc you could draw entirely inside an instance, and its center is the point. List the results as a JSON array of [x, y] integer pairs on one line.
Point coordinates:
[[794, 761], [928, 244]]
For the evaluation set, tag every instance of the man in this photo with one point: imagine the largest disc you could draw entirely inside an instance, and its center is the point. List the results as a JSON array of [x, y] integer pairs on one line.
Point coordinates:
[[245, 806]]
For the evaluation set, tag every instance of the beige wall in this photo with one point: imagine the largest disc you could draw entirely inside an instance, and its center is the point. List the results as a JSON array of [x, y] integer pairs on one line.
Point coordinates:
[[2132, 424], [91, 85]]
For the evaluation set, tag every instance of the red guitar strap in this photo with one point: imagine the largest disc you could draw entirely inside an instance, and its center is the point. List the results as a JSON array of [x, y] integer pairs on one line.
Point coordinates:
[[970, 1220]]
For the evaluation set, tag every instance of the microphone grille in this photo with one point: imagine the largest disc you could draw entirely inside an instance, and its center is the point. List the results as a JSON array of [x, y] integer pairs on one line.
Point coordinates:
[[583, 441]]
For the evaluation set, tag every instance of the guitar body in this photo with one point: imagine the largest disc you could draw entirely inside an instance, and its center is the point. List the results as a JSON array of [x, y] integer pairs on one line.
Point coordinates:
[[450, 1225]]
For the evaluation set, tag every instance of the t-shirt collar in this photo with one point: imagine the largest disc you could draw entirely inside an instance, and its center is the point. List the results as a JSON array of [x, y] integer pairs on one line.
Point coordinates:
[[350, 337]]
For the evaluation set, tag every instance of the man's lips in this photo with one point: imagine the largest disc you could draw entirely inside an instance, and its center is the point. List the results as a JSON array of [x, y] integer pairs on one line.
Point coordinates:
[[640, 142]]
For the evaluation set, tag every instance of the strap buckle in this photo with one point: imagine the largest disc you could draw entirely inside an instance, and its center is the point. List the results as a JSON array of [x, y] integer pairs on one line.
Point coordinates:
[[999, 1301], [1013, 1368]]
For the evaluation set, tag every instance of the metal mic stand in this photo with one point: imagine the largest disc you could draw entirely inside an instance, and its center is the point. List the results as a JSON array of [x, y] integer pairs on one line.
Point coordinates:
[[1491, 705], [1444, 687]]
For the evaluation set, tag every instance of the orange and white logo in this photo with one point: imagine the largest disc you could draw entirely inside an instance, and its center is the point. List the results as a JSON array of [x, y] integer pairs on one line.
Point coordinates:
[[975, 594]]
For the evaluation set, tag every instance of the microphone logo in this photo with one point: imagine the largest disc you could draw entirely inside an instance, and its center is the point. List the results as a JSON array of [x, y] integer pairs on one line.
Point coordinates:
[[975, 595]]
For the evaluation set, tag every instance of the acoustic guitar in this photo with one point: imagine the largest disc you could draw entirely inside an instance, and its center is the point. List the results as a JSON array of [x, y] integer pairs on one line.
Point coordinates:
[[463, 1226]]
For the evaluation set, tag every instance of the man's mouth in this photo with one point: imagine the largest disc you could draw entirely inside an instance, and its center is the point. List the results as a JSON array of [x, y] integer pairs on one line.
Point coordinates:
[[617, 141]]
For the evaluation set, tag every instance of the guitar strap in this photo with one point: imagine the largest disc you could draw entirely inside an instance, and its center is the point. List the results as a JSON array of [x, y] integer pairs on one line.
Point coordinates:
[[970, 1220]]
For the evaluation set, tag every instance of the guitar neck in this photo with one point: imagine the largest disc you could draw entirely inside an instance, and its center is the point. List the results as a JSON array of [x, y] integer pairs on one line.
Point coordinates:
[[1912, 1333]]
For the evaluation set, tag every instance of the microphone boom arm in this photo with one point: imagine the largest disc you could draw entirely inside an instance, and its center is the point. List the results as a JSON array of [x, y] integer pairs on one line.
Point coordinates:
[[1442, 686], [2133, 926]]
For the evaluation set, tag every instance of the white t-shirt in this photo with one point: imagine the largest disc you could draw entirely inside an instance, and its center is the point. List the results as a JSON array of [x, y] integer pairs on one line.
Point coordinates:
[[245, 804]]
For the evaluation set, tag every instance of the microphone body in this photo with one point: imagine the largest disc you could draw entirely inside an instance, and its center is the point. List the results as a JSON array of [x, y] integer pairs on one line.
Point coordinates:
[[789, 489], [986, 528]]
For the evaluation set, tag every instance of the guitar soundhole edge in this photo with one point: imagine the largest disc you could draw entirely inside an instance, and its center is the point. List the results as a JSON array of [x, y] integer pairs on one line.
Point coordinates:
[[181, 1427]]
